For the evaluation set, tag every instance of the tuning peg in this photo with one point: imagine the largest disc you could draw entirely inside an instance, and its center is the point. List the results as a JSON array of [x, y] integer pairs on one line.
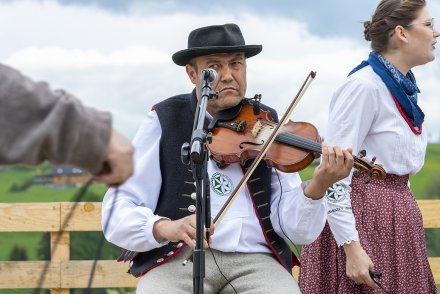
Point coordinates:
[[362, 153], [367, 180], [373, 160], [356, 173]]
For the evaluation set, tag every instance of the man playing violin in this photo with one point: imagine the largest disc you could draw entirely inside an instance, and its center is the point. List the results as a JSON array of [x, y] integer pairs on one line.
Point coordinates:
[[154, 216]]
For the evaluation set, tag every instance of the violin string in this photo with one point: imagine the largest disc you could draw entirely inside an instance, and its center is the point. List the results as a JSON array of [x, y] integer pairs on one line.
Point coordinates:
[[308, 144], [298, 141], [302, 142]]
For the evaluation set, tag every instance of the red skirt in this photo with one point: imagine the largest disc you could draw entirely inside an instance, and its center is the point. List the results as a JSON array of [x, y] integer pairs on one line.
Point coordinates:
[[391, 232]]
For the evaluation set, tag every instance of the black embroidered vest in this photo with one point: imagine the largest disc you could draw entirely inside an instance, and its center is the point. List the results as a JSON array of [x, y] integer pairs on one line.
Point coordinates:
[[176, 116]]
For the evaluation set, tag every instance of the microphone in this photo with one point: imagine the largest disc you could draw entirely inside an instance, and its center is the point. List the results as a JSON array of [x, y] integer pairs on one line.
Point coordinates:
[[209, 75]]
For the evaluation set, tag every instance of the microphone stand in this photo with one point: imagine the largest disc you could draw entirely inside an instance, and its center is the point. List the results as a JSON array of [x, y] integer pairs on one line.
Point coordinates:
[[196, 154]]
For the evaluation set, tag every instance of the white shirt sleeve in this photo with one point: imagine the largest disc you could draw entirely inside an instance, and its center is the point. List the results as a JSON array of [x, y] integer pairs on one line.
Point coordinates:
[[340, 215], [352, 112], [127, 213], [296, 217]]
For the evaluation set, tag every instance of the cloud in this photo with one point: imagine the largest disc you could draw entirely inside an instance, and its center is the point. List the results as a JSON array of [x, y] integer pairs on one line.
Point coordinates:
[[56, 58], [122, 62]]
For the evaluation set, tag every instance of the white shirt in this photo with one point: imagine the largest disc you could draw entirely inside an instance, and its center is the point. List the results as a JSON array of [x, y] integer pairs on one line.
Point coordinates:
[[364, 116], [130, 223]]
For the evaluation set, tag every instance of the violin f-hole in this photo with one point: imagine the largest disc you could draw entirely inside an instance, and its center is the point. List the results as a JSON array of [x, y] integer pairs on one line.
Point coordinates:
[[250, 143]]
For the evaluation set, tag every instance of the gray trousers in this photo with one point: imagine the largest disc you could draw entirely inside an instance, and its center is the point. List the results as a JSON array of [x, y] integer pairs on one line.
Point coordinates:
[[247, 273]]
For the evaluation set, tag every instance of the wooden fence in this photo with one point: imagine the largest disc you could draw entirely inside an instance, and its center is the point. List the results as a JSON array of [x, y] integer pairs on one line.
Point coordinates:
[[61, 274]]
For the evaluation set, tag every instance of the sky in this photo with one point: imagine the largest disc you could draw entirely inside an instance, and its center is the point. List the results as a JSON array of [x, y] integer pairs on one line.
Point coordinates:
[[116, 55]]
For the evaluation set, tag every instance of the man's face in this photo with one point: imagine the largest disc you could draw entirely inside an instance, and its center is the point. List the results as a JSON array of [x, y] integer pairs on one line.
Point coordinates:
[[231, 82]]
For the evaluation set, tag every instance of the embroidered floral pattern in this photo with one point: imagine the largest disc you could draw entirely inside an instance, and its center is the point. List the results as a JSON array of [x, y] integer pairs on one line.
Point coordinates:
[[221, 184], [337, 192]]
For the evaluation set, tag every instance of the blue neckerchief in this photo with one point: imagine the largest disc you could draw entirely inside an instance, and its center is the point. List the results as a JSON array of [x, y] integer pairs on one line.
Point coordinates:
[[404, 88]]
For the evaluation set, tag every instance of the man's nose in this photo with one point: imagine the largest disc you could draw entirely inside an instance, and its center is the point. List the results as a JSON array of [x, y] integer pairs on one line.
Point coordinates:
[[226, 74]]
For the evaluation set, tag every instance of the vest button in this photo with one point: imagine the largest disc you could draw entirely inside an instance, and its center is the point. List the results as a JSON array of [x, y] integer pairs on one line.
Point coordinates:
[[191, 208], [193, 196]]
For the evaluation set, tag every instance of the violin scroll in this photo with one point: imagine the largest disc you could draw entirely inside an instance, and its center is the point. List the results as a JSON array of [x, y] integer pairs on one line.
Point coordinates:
[[374, 171]]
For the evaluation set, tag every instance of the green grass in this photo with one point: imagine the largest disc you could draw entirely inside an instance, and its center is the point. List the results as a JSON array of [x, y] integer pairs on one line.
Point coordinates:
[[46, 194], [306, 174], [38, 193], [23, 291], [11, 175], [30, 241]]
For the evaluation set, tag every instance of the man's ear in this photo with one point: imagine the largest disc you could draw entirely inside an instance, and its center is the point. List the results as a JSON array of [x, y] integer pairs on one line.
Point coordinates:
[[191, 72]]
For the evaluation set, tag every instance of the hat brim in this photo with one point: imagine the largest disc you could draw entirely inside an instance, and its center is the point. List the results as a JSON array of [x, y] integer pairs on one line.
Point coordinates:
[[182, 57]]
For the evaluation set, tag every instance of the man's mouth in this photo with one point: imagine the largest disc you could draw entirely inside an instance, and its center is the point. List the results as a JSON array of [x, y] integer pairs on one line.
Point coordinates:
[[227, 89]]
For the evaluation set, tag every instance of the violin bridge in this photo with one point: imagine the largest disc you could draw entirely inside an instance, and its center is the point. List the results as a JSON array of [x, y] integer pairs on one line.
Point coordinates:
[[257, 128]]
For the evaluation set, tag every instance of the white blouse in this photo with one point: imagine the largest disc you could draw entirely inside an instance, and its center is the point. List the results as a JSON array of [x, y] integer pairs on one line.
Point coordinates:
[[364, 116], [128, 216]]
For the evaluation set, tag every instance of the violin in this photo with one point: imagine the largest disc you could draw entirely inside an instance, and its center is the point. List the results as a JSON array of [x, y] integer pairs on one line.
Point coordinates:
[[246, 131], [240, 138]]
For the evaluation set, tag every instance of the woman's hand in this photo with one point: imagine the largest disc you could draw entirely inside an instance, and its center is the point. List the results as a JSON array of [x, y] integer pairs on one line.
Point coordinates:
[[334, 166], [358, 264]]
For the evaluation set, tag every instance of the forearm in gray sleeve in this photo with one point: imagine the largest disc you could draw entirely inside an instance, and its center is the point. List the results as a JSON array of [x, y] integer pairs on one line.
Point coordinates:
[[37, 124]]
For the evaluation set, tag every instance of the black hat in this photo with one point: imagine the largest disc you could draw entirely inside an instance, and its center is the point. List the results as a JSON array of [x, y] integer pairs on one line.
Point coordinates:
[[215, 39]]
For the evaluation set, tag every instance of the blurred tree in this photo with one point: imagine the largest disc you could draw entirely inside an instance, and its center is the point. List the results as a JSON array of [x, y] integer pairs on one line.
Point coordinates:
[[43, 169], [18, 253], [43, 249]]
